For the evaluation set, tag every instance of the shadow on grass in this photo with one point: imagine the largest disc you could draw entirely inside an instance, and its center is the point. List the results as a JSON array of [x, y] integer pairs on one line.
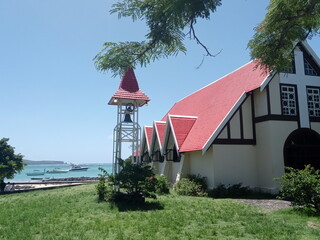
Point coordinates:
[[124, 206]]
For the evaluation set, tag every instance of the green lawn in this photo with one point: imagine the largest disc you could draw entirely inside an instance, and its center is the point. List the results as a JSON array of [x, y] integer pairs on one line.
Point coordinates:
[[74, 213]]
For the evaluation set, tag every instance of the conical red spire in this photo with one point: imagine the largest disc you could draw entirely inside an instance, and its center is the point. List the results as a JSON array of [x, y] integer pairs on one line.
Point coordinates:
[[129, 90], [129, 82]]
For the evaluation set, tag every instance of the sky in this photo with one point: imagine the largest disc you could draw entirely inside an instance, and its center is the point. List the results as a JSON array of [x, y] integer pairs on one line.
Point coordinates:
[[53, 101]]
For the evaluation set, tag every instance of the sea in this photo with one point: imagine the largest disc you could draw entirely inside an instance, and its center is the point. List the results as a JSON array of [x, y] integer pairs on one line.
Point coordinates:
[[93, 171]]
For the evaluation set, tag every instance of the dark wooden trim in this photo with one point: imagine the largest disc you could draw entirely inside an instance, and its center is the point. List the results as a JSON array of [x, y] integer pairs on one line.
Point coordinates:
[[314, 119], [268, 100], [235, 141], [297, 105], [228, 130], [276, 117], [241, 122], [253, 118]]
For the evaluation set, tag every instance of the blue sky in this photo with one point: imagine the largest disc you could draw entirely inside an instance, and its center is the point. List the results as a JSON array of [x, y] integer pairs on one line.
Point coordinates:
[[53, 102]]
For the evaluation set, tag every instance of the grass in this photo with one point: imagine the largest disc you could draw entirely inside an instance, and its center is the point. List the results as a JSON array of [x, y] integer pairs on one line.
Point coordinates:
[[74, 213]]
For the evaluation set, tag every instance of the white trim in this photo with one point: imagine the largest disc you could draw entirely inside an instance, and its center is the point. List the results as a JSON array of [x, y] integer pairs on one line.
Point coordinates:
[[158, 137], [173, 133], [267, 80], [145, 135], [235, 107], [182, 116]]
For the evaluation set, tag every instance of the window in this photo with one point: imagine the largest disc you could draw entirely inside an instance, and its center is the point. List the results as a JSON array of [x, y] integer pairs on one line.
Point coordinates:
[[288, 100], [313, 101], [172, 155], [157, 157], [290, 68], [308, 69], [145, 157]]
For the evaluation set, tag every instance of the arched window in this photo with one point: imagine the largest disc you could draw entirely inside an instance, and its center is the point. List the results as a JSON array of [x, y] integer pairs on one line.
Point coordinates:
[[301, 148]]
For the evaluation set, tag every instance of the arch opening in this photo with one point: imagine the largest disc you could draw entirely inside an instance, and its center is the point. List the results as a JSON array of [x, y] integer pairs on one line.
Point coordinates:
[[301, 148]]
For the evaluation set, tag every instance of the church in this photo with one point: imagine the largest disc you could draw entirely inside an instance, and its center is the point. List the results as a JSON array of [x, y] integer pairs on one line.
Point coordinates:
[[245, 127]]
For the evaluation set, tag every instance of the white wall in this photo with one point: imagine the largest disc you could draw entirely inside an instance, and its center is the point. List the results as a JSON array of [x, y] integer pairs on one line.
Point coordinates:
[[235, 164], [271, 136]]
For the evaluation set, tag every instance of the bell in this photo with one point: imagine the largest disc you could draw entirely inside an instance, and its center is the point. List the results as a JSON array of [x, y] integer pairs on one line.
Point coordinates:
[[127, 118]]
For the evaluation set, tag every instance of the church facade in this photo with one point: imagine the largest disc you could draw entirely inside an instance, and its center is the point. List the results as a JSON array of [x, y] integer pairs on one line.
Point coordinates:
[[243, 128]]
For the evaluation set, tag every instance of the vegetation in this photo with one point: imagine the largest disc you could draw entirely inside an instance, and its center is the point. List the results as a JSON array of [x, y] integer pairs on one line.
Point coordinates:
[[192, 185], [10, 163], [302, 187], [166, 20], [233, 191], [133, 184], [171, 21], [285, 24], [74, 213]]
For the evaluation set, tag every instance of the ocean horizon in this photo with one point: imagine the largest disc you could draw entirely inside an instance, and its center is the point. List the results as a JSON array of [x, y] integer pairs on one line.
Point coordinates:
[[93, 171]]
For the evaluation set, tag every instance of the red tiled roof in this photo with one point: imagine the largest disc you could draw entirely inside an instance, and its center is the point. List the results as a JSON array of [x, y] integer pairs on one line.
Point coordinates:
[[160, 127], [129, 88], [212, 104], [148, 133], [181, 126]]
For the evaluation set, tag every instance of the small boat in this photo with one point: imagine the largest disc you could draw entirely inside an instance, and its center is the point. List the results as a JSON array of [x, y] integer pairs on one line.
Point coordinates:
[[75, 167], [58, 170], [36, 173]]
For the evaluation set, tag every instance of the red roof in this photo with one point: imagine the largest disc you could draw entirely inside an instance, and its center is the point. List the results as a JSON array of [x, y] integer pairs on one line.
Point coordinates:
[[212, 104], [129, 89], [160, 127], [148, 135], [181, 126]]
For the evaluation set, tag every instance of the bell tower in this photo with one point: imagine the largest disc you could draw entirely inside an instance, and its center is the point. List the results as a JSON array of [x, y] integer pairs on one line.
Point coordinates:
[[128, 98]]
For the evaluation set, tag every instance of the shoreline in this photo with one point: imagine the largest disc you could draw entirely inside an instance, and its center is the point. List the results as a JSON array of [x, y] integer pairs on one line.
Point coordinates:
[[16, 187]]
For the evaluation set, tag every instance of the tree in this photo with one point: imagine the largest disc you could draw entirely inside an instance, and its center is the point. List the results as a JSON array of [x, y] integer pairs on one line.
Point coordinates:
[[285, 24], [10, 163], [166, 20]]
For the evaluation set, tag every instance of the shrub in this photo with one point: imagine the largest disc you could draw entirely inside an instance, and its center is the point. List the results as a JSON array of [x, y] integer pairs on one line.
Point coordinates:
[[162, 186], [230, 191], [302, 187], [202, 181], [189, 187], [104, 188]]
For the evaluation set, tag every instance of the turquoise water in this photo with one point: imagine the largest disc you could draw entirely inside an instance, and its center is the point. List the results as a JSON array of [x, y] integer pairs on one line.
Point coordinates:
[[93, 171]]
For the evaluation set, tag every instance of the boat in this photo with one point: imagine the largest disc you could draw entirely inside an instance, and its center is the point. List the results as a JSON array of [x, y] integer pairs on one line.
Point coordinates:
[[36, 173], [75, 167], [58, 170]]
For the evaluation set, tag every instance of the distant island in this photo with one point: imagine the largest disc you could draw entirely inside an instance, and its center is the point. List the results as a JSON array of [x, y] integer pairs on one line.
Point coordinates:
[[31, 162]]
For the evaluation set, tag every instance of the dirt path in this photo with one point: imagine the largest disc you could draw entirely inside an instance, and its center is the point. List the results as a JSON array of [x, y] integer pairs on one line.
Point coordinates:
[[271, 204]]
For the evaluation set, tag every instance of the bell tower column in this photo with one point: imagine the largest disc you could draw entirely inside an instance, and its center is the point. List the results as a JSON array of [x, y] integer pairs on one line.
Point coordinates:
[[128, 99]]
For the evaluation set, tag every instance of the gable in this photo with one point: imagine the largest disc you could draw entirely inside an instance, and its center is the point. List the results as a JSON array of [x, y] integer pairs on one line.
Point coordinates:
[[213, 104]]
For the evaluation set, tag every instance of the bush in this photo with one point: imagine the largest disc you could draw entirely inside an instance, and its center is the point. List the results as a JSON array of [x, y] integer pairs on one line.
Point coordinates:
[[162, 186], [104, 188], [189, 187], [233, 191], [302, 187], [202, 181]]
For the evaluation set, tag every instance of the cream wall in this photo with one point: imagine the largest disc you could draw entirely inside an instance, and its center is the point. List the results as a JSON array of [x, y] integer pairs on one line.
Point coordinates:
[[271, 136], [260, 103], [315, 126], [234, 164], [247, 119], [235, 126], [274, 91], [196, 163]]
